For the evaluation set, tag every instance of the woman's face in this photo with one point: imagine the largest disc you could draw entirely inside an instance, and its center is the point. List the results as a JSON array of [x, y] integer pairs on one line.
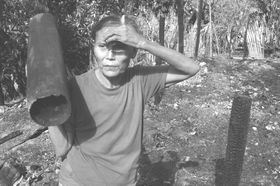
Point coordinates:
[[112, 58]]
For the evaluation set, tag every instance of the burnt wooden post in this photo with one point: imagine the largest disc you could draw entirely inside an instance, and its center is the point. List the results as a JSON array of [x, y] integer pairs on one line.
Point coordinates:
[[47, 92], [237, 139]]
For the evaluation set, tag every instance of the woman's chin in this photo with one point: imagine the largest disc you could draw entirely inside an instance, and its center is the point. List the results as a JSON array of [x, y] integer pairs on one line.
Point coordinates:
[[111, 73]]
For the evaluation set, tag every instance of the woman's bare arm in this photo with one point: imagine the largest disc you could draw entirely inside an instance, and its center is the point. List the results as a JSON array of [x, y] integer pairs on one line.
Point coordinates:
[[62, 137], [181, 66]]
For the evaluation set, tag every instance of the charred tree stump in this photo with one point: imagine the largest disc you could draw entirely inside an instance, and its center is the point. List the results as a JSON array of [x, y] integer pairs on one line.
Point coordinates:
[[237, 139], [47, 92]]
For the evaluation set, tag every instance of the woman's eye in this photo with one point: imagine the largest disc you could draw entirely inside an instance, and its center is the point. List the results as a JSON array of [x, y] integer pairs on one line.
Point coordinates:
[[119, 46], [102, 47]]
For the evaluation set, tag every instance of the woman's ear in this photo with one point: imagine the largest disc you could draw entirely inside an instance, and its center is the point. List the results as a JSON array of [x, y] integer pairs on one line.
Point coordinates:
[[134, 52], [93, 62]]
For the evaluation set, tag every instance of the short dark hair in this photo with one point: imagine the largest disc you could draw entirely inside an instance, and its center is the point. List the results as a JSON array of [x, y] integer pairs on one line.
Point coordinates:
[[111, 21]]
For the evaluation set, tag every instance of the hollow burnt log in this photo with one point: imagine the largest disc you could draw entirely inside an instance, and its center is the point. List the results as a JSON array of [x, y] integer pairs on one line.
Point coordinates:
[[47, 91]]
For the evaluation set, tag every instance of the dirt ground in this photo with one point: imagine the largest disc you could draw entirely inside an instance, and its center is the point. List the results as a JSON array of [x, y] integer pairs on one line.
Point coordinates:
[[185, 136]]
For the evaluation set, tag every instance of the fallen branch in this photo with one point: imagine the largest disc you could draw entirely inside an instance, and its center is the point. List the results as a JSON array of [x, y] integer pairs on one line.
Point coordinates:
[[10, 136], [37, 133], [12, 103]]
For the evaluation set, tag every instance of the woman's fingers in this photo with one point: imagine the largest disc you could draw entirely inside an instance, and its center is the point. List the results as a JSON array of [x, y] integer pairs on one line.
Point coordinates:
[[111, 38], [124, 33], [123, 20]]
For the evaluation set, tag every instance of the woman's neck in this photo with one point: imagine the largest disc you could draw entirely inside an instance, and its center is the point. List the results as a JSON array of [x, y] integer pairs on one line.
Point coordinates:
[[111, 83]]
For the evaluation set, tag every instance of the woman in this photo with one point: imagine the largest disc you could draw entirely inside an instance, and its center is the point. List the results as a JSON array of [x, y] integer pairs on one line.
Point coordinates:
[[101, 143]]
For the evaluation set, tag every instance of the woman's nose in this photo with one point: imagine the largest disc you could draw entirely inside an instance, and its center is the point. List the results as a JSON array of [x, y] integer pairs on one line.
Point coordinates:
[[111, 54]]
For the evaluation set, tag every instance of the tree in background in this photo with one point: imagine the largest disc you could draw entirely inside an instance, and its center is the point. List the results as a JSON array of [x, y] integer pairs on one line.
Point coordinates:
[[13, 42], [181, 28], [270, 11], [161, 9], [2, 98], [233, 18], [210, 2], [226, 16], [200, 3]]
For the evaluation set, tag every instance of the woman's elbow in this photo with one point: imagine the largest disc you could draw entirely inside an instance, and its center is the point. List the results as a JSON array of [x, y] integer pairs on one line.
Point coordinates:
[[62, 150], [62, 140], [194, 70]]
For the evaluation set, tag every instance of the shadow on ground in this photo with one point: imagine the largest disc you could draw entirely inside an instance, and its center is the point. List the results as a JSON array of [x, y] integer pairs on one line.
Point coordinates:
[[163, 171]]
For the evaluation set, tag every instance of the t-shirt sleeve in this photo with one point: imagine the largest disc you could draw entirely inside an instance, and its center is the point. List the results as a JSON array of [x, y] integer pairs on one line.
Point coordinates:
[[152, 79]]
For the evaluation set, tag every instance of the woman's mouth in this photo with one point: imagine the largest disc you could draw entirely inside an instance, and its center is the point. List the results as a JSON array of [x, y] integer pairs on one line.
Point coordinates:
[[111, 67]]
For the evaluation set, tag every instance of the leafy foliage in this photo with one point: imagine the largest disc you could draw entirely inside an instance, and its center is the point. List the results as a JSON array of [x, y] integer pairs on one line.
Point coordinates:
[[13, 45], [270, 11], [231, 17]]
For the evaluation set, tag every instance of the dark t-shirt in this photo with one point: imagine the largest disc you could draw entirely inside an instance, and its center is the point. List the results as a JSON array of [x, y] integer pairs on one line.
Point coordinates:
[[108, 126]]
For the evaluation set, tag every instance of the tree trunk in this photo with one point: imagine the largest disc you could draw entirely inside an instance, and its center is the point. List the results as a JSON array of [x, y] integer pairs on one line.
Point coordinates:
[[211, 29], [1, 90], [1, 95], [255, 40], [161, 29], [161, 36], [245, 44], [20, 79], [180, 13], [229, 40], [217, 40], [158, 96], [2, 98], [198, 28]]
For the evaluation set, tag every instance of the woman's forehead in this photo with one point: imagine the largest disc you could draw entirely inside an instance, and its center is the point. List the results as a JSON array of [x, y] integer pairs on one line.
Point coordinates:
[[104, 31]]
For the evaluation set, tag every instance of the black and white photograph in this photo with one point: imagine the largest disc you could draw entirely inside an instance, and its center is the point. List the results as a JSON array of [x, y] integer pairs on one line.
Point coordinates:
[[139, 92]]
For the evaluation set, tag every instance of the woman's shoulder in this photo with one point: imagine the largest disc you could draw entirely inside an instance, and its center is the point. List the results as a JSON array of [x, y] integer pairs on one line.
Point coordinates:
[[84, 74], [81, 79]]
